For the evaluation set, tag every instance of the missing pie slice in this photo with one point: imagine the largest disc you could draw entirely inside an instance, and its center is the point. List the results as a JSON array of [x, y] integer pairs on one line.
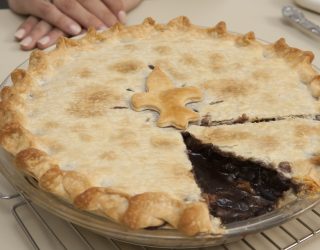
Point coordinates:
[[69, 122]]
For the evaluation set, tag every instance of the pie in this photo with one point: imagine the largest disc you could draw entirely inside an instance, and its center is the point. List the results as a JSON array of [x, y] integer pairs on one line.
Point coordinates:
[[238, 133]]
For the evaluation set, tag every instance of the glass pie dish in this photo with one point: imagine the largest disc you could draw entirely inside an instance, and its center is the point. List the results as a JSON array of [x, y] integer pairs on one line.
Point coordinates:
[[28, 187]]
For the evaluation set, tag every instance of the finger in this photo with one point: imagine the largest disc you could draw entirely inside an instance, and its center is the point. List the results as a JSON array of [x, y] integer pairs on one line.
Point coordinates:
[[100, 10], [117, 8], [41, 29], [54, 16], [77, 12], [130, 4], [26, 27], [18, 6], [50, 38]]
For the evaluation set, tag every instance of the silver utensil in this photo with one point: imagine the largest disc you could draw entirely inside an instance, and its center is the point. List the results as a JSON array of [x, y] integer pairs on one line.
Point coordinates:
[[294, 16]]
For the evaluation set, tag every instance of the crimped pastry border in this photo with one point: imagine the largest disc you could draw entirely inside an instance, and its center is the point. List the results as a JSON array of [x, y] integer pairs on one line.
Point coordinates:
[[146, 209]]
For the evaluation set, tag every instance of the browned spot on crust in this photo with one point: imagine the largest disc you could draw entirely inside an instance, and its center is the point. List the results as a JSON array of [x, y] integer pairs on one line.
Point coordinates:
[[229, 87], [221, 135], [161, 142], [197, 211], [176, 74], [9, 134], [129, 47], [129, 66], [216, 61], [236, 66], [162, 49], [109, 155], [51, 125], [128, 143], [51, 179], [302, 132], [90, 197], [96, 126], [189, 59], [150, 205], [56, 146], [92, 101], [268, 142], [315, 160], [83, 200], [75, 183], [261, 75], [85, 137], [77, 128], [29, 158], [125, 137], [84, 73]]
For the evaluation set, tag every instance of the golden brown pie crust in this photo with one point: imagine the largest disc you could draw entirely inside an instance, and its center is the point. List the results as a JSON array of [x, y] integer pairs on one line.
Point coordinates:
[[146, 209]]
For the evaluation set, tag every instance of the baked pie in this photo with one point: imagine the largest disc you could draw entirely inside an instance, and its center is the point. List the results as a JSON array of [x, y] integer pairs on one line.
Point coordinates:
[[238, 133]]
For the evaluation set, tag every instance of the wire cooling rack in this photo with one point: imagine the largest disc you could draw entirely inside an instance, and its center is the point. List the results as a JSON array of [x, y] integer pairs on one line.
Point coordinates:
[[45, 231]]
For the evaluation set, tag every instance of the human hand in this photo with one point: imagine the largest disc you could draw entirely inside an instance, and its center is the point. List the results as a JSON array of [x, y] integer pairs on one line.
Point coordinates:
[[59, 19], [34, 32]]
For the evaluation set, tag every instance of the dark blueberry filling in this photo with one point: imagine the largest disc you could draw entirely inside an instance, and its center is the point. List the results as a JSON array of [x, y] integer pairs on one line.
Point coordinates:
[[235, 188]]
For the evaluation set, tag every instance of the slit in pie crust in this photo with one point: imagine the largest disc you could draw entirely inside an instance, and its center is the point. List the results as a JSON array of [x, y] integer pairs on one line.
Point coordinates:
[[68, 121]]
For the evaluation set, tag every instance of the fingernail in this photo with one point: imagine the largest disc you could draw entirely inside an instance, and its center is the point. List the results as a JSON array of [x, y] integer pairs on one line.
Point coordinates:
[[44, 40], [75, 29], [26, 42], [20, 33], [102, 28], [122, 16]]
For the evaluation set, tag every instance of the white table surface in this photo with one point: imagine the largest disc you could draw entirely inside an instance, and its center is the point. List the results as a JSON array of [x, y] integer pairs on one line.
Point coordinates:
[[263, 17]]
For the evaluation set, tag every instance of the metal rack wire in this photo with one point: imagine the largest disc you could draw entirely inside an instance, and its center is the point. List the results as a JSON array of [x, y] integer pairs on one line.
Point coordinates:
[[285, 237]]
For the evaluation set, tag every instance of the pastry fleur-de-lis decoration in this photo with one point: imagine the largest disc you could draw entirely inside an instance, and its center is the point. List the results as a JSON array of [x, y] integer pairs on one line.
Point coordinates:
[[163, 97]]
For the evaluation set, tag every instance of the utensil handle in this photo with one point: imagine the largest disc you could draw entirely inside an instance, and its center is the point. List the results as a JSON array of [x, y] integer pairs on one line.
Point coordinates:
[[297, 18]]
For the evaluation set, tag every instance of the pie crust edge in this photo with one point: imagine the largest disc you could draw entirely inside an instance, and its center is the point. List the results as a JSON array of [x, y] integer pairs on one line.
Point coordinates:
[[146, 209]]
